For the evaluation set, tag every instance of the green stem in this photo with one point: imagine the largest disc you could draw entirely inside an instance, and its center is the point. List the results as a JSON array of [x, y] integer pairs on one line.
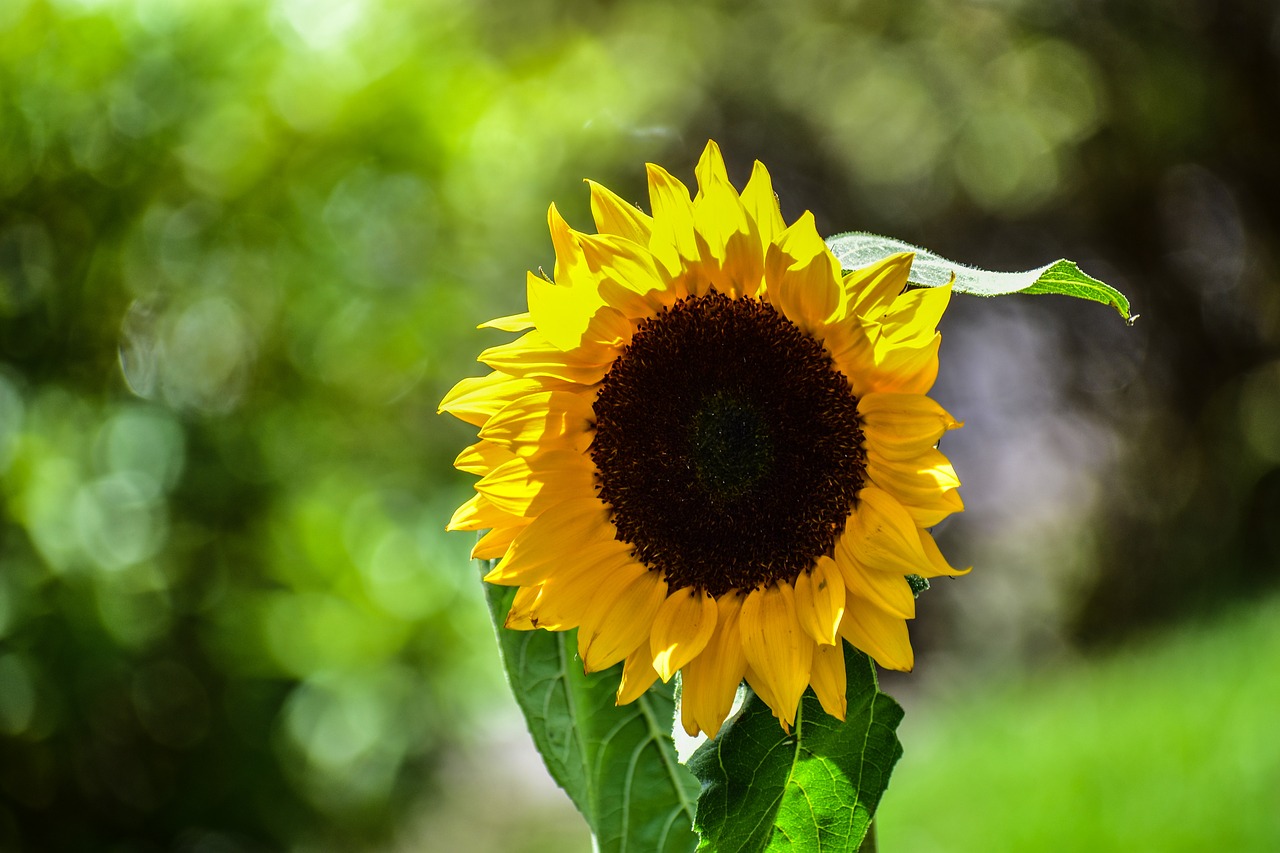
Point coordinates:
[[869, 841]]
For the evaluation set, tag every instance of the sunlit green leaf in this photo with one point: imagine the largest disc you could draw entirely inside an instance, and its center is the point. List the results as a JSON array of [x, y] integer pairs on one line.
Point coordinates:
[[816, 788], [858, 249], [617, 764]]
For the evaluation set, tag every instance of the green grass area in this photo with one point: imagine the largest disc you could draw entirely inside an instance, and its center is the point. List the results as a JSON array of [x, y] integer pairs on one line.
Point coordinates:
[[1171, 745]]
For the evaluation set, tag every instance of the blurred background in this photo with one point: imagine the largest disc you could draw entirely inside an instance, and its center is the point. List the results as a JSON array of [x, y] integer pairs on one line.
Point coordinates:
[[243, 250]]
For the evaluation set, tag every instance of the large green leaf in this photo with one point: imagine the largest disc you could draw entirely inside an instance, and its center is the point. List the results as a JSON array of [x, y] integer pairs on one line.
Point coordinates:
[[858, 249], [814, 789], [618, 764]]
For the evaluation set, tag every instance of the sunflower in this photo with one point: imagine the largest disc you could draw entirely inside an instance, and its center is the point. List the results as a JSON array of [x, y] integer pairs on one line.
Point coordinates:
[[710, 451]]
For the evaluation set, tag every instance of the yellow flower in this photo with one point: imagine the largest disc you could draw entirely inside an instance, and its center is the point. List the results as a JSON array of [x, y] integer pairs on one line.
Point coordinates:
[[710, 452]]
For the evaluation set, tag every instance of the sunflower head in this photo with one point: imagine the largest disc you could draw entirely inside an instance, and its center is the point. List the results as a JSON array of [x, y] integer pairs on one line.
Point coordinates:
[[710, 451]]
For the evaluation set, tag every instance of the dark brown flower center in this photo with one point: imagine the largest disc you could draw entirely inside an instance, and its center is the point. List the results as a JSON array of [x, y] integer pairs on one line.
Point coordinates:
[[727, 445]]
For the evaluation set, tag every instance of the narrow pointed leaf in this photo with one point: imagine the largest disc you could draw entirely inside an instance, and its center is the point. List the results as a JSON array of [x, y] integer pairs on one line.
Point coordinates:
[[617, 764], [814, 789], [857, 249]]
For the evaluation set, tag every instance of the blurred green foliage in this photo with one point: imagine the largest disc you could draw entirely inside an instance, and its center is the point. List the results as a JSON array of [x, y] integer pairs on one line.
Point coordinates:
[[243, 247], [1083, 744]]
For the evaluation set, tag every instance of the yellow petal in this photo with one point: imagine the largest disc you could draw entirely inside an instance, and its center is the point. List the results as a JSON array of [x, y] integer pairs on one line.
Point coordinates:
[[710, 171], [887, 590], [481, 458], [615, 216], [777, 648], [638, 675], [479, 513], [761, 205], [880, 635], [802, 276], [914, 315], [519, 617], [564, 239], [533, 356], [568, 593], [870, 291], [476, 398], [820, 600], [901, 426], [938, 564], [688, 719], [510, 323], [571, 531], [681, 630], [801, 245], [881, 535], [710, 681], [672, 240], [619, 618], [829, 680], [925, 485], [904, 369], [528, 485], [627, 276], [764, 690], [562, 313], [720, 222], [495, 543], [852, 348], [546, 420]]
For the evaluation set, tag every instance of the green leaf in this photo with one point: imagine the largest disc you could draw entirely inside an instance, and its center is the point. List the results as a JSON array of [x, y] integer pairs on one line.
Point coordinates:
[[617, 764], [857, 249], [814, 789]]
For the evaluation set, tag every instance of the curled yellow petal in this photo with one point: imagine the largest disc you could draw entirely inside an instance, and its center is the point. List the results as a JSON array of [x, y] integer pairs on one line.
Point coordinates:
[[681, 629], [938, 564]]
